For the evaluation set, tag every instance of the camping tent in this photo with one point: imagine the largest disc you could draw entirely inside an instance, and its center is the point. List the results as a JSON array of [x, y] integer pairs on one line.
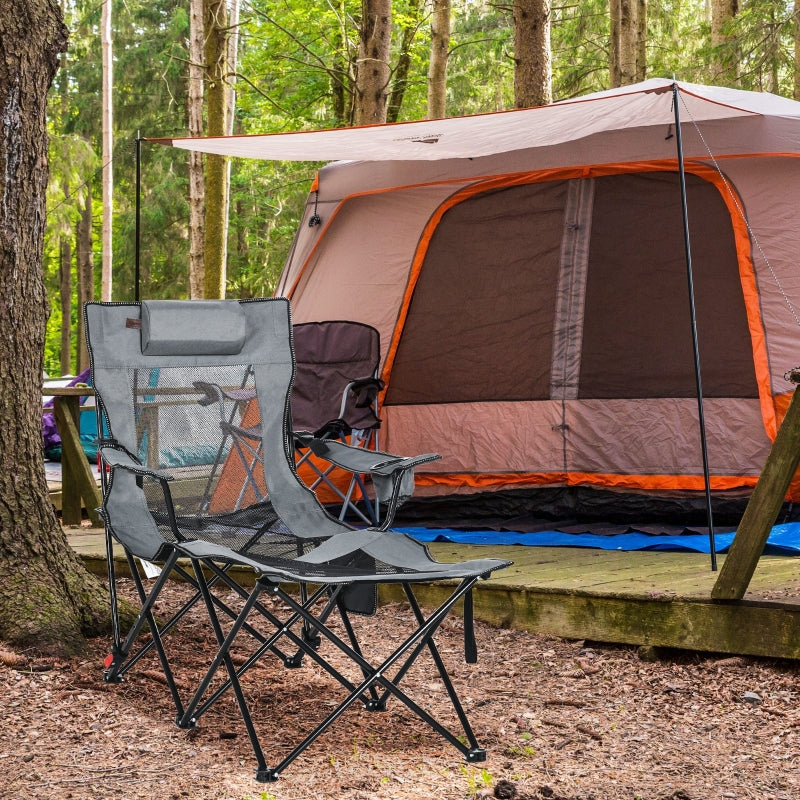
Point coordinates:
[[527, 273]]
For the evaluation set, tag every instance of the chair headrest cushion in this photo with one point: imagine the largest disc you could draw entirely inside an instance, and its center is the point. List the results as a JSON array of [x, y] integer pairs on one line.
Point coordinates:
[[192, 327]]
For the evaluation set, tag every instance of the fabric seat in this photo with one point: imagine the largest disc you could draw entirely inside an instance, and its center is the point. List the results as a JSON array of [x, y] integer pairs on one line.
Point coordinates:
[[334, 398], [151, 363]]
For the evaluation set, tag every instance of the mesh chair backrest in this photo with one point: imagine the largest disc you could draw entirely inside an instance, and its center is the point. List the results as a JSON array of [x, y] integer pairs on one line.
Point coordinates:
[[330, 355], [146, 359]]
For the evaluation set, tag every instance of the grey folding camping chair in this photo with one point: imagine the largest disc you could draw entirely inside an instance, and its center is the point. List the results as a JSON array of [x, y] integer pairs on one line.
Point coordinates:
[[146, 361], [334, 399]]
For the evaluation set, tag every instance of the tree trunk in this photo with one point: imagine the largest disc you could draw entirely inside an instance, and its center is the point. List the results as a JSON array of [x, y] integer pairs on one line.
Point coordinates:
[[725, 67], [65, 246], [342, 71], [65, 295], [216, 176], [231, 66], [372, 72], [85, 274], [108, 153], [47, 599], [400, 81], [797, 50], [196, 182], [641, 40], [614, 22], [440, 50], [627, 41], [533, 76]]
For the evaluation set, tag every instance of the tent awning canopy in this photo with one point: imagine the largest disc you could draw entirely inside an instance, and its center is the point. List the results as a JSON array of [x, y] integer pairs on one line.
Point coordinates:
[[648, 103]]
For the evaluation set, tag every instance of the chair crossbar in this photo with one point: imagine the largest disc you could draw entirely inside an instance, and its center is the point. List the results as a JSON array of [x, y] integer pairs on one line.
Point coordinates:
[[347, 504], [373, 677]]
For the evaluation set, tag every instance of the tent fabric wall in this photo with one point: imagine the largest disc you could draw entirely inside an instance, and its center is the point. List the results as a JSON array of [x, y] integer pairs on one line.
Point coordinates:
[[471, 366], [526, 273], [470, 369]]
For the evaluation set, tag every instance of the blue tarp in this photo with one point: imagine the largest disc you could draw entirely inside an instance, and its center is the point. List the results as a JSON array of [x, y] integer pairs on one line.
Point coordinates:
[[783, 540]]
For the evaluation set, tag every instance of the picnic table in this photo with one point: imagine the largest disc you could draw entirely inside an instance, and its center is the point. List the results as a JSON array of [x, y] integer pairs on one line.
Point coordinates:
[[78, 484]]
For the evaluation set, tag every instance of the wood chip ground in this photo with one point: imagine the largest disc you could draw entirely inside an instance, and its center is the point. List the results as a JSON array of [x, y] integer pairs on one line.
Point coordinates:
[[562, 720]]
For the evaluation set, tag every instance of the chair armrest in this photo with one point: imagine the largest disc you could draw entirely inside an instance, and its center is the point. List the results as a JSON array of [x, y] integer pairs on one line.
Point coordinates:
[[393, 480], [396, 463], [366, 391], [392, 476], [213, 393], [116, 456]]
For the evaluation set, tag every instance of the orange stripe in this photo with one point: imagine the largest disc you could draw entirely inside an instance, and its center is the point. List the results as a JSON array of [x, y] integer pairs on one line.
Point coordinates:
[[493, 480]]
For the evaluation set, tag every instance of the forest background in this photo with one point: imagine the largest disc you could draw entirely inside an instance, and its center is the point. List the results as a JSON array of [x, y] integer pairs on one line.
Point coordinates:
[[212, 228]]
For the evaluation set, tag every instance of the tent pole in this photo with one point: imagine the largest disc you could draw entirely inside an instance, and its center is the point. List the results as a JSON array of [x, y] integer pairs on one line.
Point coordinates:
[[695, 346], [137, 234]]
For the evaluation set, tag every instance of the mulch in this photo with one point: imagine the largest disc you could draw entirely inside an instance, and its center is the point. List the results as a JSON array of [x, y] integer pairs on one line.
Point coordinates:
[[562, 720]]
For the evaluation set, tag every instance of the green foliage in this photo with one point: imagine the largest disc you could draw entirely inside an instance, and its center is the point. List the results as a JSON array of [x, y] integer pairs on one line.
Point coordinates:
[[476, 779], [293, 55], [296, 71], [480, 75], [678, 33], [763, 34], [267, 201], [579, 41]]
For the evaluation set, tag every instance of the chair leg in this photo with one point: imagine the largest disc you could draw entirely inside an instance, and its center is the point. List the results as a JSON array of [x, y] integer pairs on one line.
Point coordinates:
[[414, 643], [283, 628], [188, 719], [475, 753], [117, 662], [219, 576], [372, 691]]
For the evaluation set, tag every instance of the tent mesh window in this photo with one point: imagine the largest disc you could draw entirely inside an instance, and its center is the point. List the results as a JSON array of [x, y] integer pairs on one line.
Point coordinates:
[[520, 280], [636, 332]]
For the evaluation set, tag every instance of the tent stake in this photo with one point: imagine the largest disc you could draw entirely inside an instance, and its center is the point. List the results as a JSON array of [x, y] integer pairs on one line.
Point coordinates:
[[138, 215], [695, 346]]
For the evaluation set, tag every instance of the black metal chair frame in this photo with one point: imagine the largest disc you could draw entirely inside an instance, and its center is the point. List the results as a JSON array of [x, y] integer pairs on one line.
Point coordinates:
[[336, 567]]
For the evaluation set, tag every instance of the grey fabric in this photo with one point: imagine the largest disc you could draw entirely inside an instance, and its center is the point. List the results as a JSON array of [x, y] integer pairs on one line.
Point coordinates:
[[254, 511], [382, 466], [143, 394], [174, 327], [125, 506], [119, 458]]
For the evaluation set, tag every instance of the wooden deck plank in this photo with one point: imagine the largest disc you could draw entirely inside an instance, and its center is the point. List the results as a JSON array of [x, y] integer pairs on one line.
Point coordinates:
[[660, 599]]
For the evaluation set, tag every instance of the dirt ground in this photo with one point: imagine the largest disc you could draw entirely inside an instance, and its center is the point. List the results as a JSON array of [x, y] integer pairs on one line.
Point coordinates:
[[562, 720]]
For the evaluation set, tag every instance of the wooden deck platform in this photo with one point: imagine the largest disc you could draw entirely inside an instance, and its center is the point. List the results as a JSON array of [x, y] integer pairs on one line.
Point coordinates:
[[658, 599]]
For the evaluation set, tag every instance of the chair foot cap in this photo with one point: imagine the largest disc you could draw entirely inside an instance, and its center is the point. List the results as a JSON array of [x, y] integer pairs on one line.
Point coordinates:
[[112, 663], [477, 755], [266, 775]]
